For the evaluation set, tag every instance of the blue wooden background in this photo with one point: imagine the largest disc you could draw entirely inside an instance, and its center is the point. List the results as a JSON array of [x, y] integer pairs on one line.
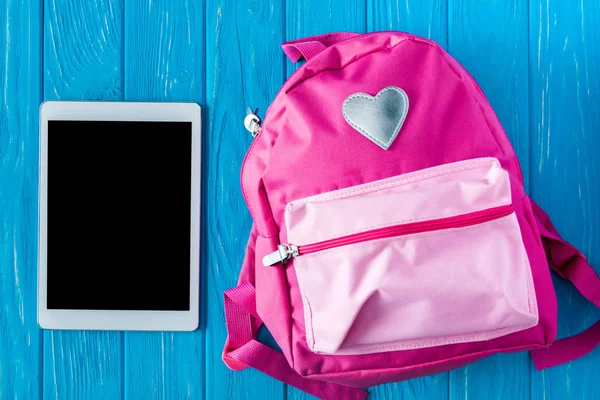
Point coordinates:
[[538, 61]]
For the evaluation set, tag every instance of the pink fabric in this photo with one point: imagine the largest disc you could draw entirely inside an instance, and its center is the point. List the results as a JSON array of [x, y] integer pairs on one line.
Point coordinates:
[[570, 264], [423, 290], [438, 192], [367, 370], [305, 148], [358, 298], [242, 350], [309, 47]]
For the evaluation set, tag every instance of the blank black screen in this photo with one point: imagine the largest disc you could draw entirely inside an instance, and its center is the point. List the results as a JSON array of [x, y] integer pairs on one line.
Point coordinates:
[[119, 215]]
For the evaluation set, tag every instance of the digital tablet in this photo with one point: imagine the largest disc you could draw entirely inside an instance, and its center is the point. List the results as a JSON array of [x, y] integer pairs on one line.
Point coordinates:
[[119, 216]]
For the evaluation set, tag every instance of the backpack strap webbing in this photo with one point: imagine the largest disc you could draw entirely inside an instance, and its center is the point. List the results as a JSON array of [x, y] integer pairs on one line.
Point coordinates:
[[243, 350], [569, 264], [309, 47]]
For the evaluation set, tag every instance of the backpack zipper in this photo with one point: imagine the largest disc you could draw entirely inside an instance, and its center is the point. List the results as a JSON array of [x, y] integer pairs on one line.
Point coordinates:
[[287, 251], [252, 121]]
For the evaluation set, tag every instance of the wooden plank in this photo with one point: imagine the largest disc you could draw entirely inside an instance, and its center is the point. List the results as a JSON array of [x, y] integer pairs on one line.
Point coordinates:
[[82, 60], [498, 30], [244, 68], [164, 61], [83, 365], [312, 17], [428, 19], [424, 18], [20, 74], [307, 18], [82, 53], [565, 164]]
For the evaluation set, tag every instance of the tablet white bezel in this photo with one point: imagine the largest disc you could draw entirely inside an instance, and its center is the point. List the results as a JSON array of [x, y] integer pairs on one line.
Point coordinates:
[[120, 319]]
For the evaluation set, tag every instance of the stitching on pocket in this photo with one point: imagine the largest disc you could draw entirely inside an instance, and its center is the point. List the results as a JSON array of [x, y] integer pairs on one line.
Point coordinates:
[[390, 182], [454, 339]]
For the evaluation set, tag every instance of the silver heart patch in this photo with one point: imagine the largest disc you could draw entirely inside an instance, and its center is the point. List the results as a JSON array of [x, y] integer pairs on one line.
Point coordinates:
[[378, 118]]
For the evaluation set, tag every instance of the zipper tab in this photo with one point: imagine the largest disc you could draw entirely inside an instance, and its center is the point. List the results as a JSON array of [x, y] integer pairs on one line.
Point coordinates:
[[282, 255], [252, 121]]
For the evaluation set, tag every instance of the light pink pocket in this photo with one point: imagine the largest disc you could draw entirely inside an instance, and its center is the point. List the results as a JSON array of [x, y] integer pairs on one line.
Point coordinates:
[[423, 259]]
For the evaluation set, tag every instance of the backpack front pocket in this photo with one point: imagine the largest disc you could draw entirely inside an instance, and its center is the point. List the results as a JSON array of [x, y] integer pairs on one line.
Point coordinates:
[[423, 259]]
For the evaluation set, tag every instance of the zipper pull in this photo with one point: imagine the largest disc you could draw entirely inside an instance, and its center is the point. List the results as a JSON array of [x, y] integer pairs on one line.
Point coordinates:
[[282, 255], [252, 121]]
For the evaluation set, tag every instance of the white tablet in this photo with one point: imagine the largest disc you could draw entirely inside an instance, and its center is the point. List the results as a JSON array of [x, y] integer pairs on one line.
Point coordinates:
[[119, 216]]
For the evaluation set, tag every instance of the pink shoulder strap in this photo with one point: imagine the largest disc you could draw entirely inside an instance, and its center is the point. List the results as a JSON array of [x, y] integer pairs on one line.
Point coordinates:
[[243, 350], [569, 264], [309, 47]]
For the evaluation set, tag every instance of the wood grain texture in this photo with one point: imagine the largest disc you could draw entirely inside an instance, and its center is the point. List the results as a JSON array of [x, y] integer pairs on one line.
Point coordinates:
[[314, 17], [82, 52], [82, 365], [21, 82], [424, 18], [537, 62], [498, 30], [565, 166], [83, 60], [244, 68], [164, 62], [428, 19]]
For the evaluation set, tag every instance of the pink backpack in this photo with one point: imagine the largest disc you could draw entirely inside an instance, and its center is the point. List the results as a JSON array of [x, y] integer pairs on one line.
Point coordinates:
[[392, 235]]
